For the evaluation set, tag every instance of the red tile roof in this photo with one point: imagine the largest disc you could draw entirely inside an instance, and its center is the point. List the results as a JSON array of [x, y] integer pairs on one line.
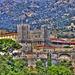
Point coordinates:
[[57, 39], [54, 53], [72, 42], [11, 33], [60, 42]]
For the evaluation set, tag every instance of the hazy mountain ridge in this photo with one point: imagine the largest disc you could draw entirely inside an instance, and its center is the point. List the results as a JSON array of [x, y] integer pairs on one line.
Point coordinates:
[[37, 12]]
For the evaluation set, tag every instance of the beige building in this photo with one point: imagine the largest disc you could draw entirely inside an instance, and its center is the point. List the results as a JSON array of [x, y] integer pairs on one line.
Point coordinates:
[[2, 32], [53, 35], [10, 35]]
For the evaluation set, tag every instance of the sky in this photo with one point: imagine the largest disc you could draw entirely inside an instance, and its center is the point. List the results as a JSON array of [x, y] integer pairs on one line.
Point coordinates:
[[1, 1]]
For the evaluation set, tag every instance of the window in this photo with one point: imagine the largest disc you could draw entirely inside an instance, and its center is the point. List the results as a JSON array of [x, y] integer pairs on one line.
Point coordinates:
[[32, 36], [26, 44], [35, 36], [39, 36], [39, 42]]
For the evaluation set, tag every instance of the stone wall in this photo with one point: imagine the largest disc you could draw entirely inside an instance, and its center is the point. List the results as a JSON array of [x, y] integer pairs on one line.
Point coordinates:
[[23, 31]]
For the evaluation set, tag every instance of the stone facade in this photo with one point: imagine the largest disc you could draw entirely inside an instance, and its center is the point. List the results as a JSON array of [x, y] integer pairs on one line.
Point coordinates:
[[23, 31], [32, 38]]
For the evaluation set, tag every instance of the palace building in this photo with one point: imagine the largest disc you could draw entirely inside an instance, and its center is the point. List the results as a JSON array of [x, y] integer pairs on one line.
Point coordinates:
[[30, 39], [36, 40]]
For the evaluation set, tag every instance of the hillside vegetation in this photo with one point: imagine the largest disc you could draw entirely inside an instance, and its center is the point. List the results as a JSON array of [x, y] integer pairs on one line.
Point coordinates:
[[10, 66], [36, 13], [8, 45]]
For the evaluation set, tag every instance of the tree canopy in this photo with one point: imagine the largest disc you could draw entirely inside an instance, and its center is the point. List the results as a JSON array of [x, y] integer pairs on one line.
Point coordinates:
[[10, 66], [58, 70], [8, 45]]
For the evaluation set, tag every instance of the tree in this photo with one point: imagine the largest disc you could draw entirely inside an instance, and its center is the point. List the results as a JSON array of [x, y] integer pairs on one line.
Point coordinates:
[[31, 67], [65, 63], [39, 63], [61, 70], [8, 45], [10, 66], [39, 66], [49, 61]]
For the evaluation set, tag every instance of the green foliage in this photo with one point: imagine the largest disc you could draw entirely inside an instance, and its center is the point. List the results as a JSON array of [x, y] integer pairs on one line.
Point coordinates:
[[68, 47], [61, 70], [40, 66], [9, 66], [9, 19], [65, 63], [65, 36], [8, 45], [49, 62], [39, 63], [31, 67]]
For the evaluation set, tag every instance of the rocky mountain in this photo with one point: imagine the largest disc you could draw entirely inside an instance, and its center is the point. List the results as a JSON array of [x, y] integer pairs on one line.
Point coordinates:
[[54, 13]]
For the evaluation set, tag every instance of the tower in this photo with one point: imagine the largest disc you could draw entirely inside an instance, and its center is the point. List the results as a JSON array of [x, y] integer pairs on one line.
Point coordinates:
[[23, 36], [23, 31], [45, 34]]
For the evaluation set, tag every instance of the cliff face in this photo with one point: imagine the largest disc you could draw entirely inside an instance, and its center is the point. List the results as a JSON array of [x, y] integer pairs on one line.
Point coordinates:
[[36, 13]]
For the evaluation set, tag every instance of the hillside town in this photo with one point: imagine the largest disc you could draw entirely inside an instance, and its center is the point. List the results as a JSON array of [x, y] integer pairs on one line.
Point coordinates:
[[37, 37], [38, 43]]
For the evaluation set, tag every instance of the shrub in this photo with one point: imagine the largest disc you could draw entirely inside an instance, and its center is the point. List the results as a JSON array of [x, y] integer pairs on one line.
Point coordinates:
[[68, 47]]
